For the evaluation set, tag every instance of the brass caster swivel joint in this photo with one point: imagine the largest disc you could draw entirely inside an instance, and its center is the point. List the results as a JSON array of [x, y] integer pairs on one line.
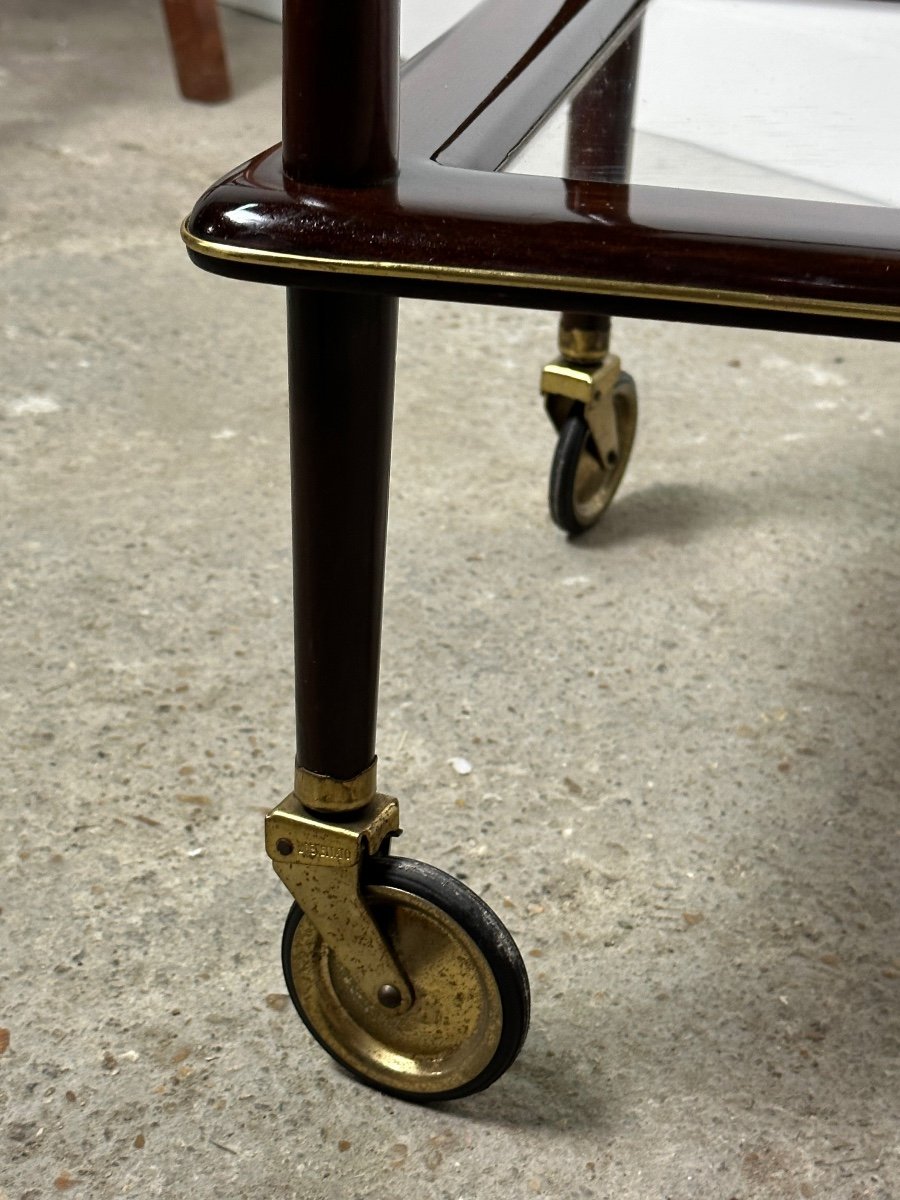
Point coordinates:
[[319, 864], [592, 403], [400, 972]]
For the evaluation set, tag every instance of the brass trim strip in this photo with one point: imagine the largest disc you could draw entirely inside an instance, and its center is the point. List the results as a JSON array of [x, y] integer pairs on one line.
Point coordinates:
[[518, 279]]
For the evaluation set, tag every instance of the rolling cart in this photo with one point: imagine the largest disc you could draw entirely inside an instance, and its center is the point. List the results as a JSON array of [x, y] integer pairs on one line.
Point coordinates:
[[386, 187]]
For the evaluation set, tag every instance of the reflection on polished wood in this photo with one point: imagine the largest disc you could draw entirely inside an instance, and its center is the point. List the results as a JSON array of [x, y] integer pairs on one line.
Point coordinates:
[[483, 235]]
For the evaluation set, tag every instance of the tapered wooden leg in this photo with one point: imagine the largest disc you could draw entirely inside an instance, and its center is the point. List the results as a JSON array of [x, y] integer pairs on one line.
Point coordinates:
[[441, 1011], [196, 38], [341, 80], [599, 148], [341, 351]]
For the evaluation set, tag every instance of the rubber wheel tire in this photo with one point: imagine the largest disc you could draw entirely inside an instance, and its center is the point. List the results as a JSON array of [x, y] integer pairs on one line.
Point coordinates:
[[480, 924], [576, 456]]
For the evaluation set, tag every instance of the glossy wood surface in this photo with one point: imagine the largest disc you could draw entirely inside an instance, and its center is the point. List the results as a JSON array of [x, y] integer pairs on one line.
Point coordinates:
[[339, 129], [652, 244], [340, 405], [496, 81], [599, 137], [340, 91], [446, 231]]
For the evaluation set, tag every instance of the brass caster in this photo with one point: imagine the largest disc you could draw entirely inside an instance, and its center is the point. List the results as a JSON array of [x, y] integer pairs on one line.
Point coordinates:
[[470, 1008], [592, 450]]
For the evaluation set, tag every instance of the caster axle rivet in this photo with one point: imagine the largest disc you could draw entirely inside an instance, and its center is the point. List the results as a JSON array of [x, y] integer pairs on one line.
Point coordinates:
[[389, 996], [285, 847]]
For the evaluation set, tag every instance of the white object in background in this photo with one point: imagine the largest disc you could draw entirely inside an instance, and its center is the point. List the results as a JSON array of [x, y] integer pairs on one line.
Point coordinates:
[[796, 99], [806, 89], [271, 9], [420, 20]]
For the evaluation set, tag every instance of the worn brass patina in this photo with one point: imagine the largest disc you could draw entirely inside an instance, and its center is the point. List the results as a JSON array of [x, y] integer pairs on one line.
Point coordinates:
[[319, 863], [322, 794], [564, 383], [453, 1029], [582, 343]]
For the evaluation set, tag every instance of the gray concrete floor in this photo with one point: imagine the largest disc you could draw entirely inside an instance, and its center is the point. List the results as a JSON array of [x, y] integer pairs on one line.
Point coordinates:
[[682, 728]]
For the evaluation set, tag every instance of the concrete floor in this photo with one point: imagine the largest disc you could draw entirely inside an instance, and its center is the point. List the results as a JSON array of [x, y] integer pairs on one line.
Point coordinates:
[[682, 728]]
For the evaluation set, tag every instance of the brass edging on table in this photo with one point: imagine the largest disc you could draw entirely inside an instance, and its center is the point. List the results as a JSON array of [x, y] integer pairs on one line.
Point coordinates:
[[520, 279]]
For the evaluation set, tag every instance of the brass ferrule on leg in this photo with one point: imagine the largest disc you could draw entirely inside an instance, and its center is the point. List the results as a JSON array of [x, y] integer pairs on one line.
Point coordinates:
[[583, 340], [322, 794]]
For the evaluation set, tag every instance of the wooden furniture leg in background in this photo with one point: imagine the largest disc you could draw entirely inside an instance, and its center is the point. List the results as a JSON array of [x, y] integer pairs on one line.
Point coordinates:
[[196, 38]]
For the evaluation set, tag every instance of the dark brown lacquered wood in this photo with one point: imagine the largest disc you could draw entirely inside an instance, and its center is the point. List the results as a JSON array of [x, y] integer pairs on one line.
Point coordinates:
[[341, 370], [542, 298], [598, 146], [496, 79], [340, 106], [670, 253], [480, 235], [340, 90], [197, 48]]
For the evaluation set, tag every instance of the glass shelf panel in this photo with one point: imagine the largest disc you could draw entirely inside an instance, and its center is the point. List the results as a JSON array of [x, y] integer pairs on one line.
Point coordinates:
[[787, 98]]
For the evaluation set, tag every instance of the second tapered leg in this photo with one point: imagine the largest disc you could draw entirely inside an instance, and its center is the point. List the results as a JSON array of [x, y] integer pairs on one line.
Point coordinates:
[[591, 402], [341, 371]]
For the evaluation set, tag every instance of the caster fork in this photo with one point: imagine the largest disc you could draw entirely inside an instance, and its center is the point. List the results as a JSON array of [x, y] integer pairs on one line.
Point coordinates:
[[319, 860]]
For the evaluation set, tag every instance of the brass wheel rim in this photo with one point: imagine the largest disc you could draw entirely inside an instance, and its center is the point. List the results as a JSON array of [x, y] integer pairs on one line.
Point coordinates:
[[592, 491], [595, 485], [452, 1031]]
